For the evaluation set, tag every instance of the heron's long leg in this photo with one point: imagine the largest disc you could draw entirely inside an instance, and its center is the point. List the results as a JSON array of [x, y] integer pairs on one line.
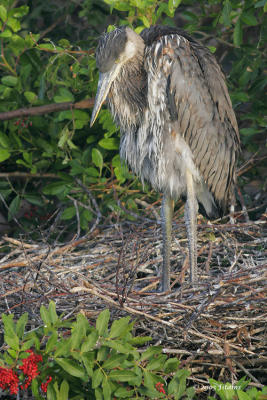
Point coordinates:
[[166, 215], [191, 208]]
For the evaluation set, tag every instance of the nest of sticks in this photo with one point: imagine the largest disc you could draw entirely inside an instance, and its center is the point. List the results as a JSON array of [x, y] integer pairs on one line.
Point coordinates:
[[217, 329]]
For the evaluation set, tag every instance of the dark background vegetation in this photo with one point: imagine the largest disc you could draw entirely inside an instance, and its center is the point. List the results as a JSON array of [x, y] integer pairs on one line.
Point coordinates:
[[47, 56]]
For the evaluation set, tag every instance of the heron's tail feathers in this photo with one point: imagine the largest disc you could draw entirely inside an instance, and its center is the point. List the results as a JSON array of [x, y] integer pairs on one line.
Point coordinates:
[[207, 205]]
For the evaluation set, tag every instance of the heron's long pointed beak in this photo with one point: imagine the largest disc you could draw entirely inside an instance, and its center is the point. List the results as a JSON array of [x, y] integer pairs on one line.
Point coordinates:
[[104, 82]]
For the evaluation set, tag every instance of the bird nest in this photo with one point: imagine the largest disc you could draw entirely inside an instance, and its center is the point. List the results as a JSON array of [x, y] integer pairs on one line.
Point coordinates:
[[217, 329]]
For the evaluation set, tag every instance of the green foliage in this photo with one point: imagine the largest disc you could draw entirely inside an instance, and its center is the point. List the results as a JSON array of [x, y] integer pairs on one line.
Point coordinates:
[[101, 361], [93, 362], [40, 68], [228, 392]]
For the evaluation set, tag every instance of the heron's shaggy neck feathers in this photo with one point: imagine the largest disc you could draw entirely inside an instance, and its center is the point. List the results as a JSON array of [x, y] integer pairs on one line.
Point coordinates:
[[128, 93]]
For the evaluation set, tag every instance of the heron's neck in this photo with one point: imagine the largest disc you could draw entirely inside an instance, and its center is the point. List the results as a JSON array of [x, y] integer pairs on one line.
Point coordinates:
[[127, 97]]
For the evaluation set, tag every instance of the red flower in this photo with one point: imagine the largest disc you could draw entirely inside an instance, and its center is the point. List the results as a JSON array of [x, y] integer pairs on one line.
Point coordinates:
[[29, 368], [45, 384], [9, 380], [160, 387]]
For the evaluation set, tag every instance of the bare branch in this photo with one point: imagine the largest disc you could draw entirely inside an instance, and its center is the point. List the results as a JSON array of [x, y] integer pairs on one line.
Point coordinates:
[[46, 109]]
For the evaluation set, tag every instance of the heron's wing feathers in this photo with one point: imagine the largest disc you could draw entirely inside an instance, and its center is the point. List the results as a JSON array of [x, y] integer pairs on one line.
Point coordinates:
[[199, 104]]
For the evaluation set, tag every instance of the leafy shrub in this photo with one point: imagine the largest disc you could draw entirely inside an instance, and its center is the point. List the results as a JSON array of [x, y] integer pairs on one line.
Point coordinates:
[[59, 147], [73, 359], [227, 391]]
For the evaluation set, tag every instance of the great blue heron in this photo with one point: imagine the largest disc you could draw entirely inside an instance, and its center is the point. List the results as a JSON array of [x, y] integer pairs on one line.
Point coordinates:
[[178, 128]]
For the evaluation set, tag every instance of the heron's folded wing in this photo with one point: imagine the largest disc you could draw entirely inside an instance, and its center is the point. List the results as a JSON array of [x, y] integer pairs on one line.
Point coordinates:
[[198, 100]]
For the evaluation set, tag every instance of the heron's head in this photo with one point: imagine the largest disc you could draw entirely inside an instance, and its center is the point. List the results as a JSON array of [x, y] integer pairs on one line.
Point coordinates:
[[113, 51]]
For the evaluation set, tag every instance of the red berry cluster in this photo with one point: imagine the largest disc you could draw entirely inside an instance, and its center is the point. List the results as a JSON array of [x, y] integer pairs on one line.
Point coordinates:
[[31, 213], [45, 384], [9, 379], [160, 387], [29, 368], [23, 123]]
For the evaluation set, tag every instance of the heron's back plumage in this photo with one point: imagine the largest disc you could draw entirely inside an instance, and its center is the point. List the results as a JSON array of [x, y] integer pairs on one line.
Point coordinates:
[[182, 118]]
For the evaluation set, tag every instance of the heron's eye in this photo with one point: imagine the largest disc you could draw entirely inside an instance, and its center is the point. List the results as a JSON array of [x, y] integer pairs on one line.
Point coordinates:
[[117, 61]]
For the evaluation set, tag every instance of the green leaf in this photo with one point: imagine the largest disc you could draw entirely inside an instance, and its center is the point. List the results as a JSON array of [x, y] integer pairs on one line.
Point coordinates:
[[63, 348], [151, 352], [51, 392], [97, 378], [27, 157], [92, 172], [145, 21], [88, 361], [103, 353], [3, 13], [119, 327], [171, 365], [150, 379], [120, 347], [156, 363], [45, 315], [73, 114], [90, 342], [140, 340], [52, 312], [64, 390], [13, 353], [124, 393], [98, 394], [17, 44], [121, 375], [4, 140], [18, 12], [55, 188], [102, 322], [97, 158], [12, 341], [77, 335], [71, 367], [35, 388], [109, 143], [249, 19], [13, 207], [9, 80], [28, 344], [106, 387], [240, 96], [20, 326], [64, 137], [14, 24], [238, 34], [52, 341], [31, 97], [190, 392], [242, 395], [248, 131], [34, 199], [212, 49], [64, 96], [6, 34], [114, 361], [4, 155], [68, 213], [227, 8]]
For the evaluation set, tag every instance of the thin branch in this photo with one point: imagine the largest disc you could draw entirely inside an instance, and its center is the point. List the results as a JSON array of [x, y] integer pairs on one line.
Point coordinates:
[[11, 175], [46, 109]]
